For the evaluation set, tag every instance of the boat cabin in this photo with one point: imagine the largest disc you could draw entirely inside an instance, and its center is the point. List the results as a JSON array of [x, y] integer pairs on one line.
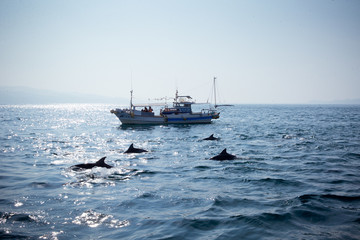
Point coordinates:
[[179, 107], [146, 111]]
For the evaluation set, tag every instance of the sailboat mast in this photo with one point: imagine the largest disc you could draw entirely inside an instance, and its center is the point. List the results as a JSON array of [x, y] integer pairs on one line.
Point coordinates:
[[215, 91], [131, 96]]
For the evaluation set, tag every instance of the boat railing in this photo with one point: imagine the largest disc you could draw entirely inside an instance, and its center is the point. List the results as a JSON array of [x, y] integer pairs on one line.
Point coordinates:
[[209, 111]]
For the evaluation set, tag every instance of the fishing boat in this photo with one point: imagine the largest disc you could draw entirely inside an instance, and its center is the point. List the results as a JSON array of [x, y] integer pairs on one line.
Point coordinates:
[[180, 113]]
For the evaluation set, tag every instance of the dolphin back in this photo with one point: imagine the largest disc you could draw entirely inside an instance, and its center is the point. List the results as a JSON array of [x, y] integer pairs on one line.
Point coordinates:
[[101, 163], [132, 149], [223, 152], [224, 156], [211, 137]]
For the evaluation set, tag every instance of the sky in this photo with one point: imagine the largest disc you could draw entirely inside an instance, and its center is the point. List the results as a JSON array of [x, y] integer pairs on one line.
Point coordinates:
[[260, 51]]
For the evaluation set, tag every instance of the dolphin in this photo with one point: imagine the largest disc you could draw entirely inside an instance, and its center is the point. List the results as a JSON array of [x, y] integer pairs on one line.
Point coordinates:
[[211, 138], [100, 163], [223, 156], [131, 149]]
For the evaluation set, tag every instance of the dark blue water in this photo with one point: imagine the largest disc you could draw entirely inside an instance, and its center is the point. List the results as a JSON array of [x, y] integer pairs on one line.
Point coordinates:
[[297, 175]]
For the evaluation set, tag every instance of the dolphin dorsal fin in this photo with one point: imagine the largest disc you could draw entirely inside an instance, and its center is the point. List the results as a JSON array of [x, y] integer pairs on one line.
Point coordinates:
[[212, 135], [100, 162], [224, 151], [131, 146]]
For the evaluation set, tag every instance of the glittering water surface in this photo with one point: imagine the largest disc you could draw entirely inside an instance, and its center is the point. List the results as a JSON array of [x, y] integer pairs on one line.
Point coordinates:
[[296, 175]]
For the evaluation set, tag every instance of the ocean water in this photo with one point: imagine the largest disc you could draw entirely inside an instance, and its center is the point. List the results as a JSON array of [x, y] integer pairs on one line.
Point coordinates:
[[297, 175]]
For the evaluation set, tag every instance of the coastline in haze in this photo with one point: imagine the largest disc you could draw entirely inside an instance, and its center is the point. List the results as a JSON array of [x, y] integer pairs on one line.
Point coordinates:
[[26, 95]]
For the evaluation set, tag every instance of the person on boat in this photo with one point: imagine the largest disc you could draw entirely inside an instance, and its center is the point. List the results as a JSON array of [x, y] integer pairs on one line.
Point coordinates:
[[150, 109], [146, 110]]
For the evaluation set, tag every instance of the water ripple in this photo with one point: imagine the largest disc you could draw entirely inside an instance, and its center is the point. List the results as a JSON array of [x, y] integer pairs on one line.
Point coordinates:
[[296, 176], [94, 219]]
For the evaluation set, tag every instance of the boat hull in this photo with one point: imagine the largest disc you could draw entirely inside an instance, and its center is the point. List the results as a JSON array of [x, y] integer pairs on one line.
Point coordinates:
[[130, 119]]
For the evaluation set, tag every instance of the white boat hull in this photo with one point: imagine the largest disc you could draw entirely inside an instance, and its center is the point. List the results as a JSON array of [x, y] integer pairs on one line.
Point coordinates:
[[127, 117]]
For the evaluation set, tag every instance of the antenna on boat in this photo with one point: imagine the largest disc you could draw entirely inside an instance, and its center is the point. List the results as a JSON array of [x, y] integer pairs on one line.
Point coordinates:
[[131, 91], [131, 96], [215, 91]]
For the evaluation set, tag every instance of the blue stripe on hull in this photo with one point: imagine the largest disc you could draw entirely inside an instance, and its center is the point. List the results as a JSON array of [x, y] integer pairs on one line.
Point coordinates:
[[187, 119]]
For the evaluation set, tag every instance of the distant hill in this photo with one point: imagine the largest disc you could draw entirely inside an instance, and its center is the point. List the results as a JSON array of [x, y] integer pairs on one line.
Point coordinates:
[[25, 95]]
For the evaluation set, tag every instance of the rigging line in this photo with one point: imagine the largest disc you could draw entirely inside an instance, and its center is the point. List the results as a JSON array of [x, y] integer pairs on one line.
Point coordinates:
[[218, 94], [221, 100], [211, 94]]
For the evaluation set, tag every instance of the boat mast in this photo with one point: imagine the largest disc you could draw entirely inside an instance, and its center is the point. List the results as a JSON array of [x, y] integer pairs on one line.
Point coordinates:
[[131, 91], [131, 96], [215, 91]]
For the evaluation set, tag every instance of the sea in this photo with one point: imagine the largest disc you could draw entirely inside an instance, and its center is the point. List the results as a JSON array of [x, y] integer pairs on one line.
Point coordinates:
[[296, 175]]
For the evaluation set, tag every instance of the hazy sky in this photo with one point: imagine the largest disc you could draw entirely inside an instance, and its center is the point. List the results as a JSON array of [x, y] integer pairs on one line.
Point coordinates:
[[260, 51]]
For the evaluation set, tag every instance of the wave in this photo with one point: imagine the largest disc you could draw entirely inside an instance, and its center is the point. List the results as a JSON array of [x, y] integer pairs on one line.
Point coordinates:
[[275, 181], [279, 188], [296, 213], [298, 222], [201, 224], [98, 176], [16, 217], [231, 202], [202, 168], [266, 220], [94, 219], [311, 197], [352, 156], [7, 235], [40, 185], [278, 182]]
